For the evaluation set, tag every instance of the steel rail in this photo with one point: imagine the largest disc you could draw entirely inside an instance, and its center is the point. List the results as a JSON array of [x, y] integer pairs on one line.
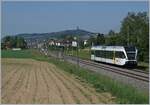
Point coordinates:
[[133, 70], [118, 71], [140, 71]]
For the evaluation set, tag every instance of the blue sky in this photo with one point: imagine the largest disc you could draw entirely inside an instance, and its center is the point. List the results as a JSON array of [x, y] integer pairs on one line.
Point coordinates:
[[42, 17]]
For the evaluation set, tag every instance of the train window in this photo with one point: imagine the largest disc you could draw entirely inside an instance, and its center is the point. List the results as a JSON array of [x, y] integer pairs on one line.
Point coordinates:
[[100, 54], [129, 48], [109, 54], [97, 53], [104, 54], [119, 54], [131, 56], [92, 52]]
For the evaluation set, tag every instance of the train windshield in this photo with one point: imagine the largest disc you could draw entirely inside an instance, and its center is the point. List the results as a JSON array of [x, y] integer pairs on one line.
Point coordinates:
[[131, 56], [131, 50]]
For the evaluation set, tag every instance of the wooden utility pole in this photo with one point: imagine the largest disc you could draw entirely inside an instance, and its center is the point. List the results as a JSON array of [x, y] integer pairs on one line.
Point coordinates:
[[78, 49], [128, 36]]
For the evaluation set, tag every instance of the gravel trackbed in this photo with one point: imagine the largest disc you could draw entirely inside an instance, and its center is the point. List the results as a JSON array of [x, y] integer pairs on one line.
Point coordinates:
[[27, 81]]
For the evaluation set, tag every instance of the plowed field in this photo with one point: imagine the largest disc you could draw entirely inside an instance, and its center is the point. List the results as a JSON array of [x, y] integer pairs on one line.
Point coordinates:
[[28, 81]]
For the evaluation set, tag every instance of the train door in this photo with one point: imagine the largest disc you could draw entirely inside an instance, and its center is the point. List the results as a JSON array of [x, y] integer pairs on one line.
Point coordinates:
[[114, 57], [119, 58], [92, 55]]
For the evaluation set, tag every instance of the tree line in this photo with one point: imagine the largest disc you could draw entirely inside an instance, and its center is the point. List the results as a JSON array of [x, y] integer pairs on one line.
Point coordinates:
[[13, 42], [134, 31]]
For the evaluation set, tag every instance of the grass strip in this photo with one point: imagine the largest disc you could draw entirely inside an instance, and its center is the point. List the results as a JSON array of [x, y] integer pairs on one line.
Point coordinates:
[[124, 93]]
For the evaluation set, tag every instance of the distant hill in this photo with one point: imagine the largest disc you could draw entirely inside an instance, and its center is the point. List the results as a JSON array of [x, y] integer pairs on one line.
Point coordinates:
[[58, 35]]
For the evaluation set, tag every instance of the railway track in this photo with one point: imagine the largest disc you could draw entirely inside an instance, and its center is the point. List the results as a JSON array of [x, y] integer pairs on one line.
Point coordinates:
[[141, 71], [134, 77], [135, 73]]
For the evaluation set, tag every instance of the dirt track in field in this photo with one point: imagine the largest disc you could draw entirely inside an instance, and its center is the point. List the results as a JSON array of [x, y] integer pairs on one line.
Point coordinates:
[[28, 81]]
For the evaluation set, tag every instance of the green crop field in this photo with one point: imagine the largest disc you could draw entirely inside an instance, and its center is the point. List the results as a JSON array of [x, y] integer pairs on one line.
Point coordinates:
[[85, 54], [28, 53], [16, 54]]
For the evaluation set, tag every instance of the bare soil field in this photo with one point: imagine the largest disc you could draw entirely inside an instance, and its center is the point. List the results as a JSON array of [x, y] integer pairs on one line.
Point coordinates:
[[27, 81]]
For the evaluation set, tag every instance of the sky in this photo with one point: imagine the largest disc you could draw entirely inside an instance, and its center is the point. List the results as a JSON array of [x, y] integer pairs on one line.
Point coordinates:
[[42, 17]]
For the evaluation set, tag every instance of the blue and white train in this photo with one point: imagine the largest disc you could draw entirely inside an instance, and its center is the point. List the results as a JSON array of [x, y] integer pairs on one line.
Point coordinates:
[[118, 55]]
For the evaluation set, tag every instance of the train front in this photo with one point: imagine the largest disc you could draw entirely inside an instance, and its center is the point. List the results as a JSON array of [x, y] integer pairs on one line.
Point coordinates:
[[131, 53]]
